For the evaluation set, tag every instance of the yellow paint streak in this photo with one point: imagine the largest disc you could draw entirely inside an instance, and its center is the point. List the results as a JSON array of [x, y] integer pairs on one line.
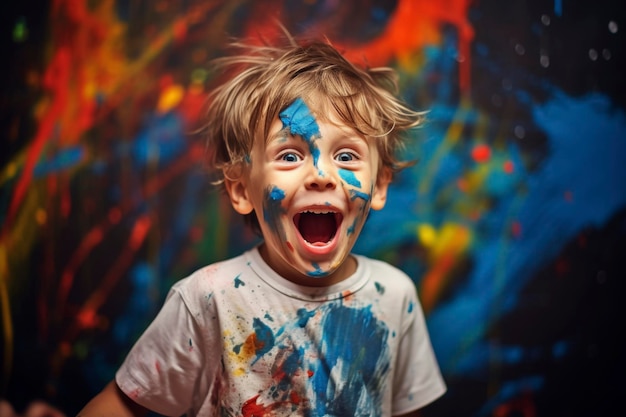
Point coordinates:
[[449, 247]]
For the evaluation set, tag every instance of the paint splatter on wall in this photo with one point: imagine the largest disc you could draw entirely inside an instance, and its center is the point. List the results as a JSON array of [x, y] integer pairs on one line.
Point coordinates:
[[510, 223]]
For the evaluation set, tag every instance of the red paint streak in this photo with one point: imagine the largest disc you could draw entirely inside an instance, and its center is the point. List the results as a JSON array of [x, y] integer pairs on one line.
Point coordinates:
[[523, 407], [96, 235], [86, 317], [55, 80], [568, 196], [508, 167], [414, 25], [90, 241], [251, 409], [481, 153], [310, 373], [516, 229]]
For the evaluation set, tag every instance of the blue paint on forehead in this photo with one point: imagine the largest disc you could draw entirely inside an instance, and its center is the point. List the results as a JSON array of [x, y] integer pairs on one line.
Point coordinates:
[[297, 118]]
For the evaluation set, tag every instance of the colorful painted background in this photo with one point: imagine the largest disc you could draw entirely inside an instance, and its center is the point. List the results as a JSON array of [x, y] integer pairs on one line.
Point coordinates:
[[513, 224]]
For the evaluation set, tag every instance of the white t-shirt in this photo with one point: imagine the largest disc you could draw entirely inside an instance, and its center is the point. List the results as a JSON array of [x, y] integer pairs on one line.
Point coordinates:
[[236, 339]]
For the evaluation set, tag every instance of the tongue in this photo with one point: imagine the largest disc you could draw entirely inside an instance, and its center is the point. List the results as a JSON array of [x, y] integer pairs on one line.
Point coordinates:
[[317, 228]]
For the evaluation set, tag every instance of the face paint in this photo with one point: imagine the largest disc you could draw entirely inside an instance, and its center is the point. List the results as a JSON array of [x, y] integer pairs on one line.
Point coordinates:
[[286, 195], [349, 178], [297, 118], [272, 209], [318, 271]]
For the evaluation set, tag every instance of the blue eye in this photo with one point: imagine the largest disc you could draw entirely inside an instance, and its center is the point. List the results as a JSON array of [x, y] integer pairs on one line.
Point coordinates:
[[345, 157], [290, 157]]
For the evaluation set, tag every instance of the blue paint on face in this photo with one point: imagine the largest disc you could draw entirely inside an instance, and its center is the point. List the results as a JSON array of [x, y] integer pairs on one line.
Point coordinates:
[[272, 209], [359, 194], [297, 118], [349, 178], [352, 227], [317, 273]]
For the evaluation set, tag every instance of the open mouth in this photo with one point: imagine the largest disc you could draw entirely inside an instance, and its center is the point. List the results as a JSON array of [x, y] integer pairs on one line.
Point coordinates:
[[318, 227]]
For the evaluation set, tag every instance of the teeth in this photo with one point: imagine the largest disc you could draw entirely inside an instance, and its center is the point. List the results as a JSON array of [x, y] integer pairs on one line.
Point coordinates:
[[319, 211]]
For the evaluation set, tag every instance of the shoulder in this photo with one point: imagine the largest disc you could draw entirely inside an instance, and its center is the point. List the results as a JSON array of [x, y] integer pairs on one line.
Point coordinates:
[[388, 275], [209, 281], [213, 275]]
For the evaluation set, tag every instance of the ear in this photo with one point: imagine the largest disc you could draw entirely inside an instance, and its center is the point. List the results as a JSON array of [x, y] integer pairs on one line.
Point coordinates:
[[379, 197], [238, 192]]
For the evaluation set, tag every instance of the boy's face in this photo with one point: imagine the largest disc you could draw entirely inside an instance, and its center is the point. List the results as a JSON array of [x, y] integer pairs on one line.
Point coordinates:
[[311, 186]]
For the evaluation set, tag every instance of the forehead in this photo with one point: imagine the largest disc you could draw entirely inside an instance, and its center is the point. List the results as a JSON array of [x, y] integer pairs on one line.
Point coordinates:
[[298, 119]]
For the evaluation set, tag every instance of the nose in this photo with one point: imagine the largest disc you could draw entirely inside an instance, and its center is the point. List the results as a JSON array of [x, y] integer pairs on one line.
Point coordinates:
[[320, 180]]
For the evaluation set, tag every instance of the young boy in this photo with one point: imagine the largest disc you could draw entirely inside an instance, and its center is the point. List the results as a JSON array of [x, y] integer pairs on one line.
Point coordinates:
[[305, 143]]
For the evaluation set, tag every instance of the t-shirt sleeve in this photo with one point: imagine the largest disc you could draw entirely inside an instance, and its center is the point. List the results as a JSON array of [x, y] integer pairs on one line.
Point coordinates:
[[417, 379], [162, 370]]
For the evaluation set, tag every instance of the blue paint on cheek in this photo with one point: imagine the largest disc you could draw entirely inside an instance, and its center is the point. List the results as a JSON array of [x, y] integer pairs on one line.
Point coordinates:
[[359, 194], [272, 208], [298, 119], [349, 178], [352, 227]]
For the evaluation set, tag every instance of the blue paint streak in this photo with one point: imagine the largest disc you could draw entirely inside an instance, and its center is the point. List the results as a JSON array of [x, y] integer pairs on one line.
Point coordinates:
[[349, 177], [359, 194], [356, 340], [298, 119], [272, 209], [303, 316], [65, 159], [587, 147], [317, 273], [239, 282], [264, 338], [558, 7]]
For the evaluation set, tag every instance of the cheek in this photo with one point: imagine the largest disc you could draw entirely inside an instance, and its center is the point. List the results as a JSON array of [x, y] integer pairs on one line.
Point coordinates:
[[349, 178], [272, 208]]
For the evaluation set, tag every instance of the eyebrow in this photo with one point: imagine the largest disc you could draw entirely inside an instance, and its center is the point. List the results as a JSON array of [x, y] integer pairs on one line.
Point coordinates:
[[281, 134]]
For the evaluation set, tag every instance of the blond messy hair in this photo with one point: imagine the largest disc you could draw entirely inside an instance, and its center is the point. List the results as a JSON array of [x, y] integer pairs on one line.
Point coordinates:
[[264, 80]]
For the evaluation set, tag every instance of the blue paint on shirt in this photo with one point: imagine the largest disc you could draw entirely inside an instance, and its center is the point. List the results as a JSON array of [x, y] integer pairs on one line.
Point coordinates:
[[239, 282]]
